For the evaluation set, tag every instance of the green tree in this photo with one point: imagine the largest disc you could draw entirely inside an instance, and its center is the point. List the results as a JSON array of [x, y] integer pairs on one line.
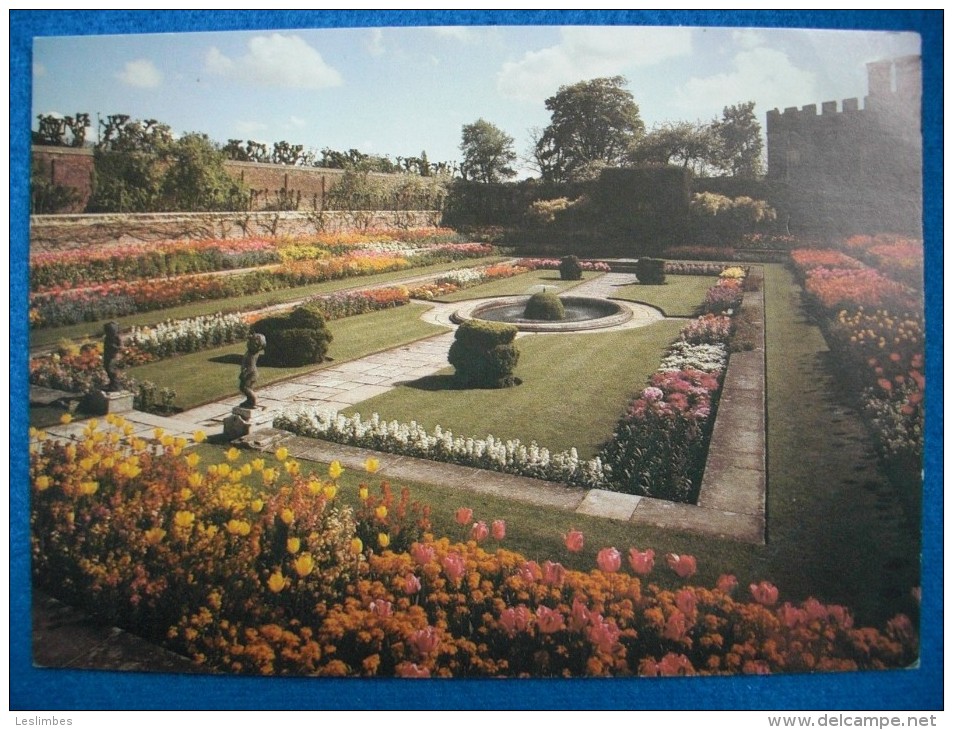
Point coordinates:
[[487, 153], [691, 145], [195, 178], [594, 123], [739, 139]]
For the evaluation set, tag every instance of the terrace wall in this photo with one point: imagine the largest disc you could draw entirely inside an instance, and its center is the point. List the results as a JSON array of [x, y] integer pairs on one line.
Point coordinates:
[[63, 232]]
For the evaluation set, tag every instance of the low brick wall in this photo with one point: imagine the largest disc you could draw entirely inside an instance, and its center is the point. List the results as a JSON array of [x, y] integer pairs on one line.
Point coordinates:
[[65, 232]]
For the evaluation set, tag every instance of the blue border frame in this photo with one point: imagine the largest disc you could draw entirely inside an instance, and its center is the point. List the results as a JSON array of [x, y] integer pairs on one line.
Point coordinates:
[[35, 689]]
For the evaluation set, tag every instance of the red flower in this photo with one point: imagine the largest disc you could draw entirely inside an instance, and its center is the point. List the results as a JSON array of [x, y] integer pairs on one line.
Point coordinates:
[[641, 562], [574, 541], [499, 529], [479, 532], [764, 593], [726, 583], [464, 515], [425, 640], [549, 621], [609, 560], [553, 573], [683, 565]]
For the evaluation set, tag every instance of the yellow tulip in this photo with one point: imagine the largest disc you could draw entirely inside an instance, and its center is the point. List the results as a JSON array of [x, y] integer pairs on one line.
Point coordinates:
[[330, 491], [372, 465], [257, 505], [185, 493], [293, 544], [158, 433], [195, 479], [281, 453], [184, 519], [287, 515], [238, 527], [89, 488], [199, 436], [304, 564], [232, 454], [42, 483], [357, 547], [381, 512], [258, 464], [383, 539], [362, 492], [335, 470], [66, 418], [192, 460], [246, 470], [268, 475], [276, 583]]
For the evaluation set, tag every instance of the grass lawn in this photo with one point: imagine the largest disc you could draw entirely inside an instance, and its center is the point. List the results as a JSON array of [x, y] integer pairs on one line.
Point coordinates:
[[209, 375], [575, 387], [85, 330], [516, 285], [679, 296]]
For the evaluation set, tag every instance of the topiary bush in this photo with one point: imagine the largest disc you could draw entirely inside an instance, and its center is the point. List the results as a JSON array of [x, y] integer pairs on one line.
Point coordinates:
[[650, 271], [295, 338], [484, 355], [570, 269], [545, 305]]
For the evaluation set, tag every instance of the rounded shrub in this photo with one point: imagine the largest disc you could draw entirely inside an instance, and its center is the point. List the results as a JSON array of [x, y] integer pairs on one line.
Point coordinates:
[[295, 338], [545, 305], [650, 271], [484, 355], [569, 268]]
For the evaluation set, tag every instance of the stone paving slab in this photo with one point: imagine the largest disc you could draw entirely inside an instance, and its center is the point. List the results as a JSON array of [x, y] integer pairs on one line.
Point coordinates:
[[689, 518], [611, 505]]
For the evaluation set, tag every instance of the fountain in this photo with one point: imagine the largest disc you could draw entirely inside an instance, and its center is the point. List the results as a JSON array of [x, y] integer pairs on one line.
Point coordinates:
[[579, 313]]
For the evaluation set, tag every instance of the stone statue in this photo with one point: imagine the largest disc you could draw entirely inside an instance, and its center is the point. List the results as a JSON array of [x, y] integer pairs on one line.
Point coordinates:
[[112, 345], [249, 374]]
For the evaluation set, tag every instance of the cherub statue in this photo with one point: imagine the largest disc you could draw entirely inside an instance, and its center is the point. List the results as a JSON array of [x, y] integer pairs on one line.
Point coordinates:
[[249, 374], [112, 346]]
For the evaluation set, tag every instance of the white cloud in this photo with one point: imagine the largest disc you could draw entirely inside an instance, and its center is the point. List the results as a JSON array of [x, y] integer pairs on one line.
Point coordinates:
[[276, 60], [763, 75], [141, 73], [39, 69], [375, 42], [589, 52], [748, 38]]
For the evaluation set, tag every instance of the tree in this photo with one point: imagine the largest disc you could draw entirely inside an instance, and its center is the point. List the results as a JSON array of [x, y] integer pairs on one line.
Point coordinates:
[[739, 138], [593, 123], [196, 179], [690, 145], [487, 153]]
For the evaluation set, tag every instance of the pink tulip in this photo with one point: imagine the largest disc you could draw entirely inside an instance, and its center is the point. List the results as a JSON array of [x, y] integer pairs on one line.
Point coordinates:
[[549, 621], [673, 665], [579, 617], [422, 554], [791, 616], [382, 607], [411, 671], [514, 620], [574, 541], [553, 573], [841, 617], [816, 611], [683, 565], [454, 566], [529, 571], [764, 593], [641, 562], [464, 516], [604, 634], [726, 583], [479, 532], [755, 667], [675, 627], [685, 601], [499, 529], [609, 560], [411, 584], [425, 640]]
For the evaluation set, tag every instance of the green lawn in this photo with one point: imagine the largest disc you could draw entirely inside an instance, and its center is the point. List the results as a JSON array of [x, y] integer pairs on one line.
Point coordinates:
[[679, 296], [575, 387], [210, 375], [84, 330], [516, 285]]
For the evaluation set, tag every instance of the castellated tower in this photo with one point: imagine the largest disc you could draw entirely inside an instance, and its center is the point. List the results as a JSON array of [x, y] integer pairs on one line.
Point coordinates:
[[853, 169]]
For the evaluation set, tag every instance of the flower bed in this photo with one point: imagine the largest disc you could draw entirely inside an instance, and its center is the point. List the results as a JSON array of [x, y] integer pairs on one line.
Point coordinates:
[[553, 264], [105, 301], [458, 279], [276, 579]]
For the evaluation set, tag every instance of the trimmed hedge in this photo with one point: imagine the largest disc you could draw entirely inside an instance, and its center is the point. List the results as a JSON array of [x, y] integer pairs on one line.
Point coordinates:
[[295, 338], [650, 271], [484, 355], [570, 269], [545, 305]]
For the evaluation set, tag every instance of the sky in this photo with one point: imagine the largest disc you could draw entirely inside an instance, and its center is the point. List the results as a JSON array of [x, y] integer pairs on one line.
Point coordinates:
[[398, 91]]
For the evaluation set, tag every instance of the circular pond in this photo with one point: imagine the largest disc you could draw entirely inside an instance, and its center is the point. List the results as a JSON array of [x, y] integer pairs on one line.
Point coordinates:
[[582, 313]]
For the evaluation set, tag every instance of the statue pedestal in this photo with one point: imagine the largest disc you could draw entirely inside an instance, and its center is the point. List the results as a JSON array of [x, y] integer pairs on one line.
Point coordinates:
[[240, 422], [104, 402]]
